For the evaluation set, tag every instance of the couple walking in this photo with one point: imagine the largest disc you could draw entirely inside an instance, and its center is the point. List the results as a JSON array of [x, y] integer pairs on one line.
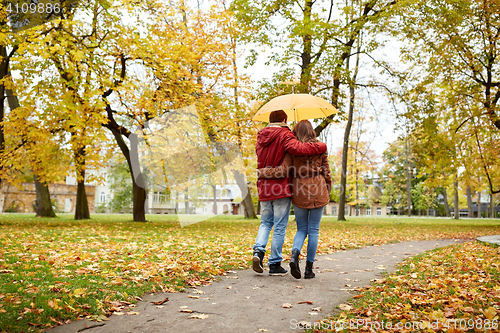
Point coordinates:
[[293, 168]]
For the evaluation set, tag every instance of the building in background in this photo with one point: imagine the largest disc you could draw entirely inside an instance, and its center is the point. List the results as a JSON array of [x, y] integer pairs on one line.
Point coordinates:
[[23, 199]]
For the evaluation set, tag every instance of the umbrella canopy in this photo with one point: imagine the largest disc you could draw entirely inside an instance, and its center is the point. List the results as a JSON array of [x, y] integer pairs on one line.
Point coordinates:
[[297, 106]]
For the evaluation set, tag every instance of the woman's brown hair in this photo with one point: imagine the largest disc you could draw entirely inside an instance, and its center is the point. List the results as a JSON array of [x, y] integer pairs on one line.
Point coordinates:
[[304, 131]]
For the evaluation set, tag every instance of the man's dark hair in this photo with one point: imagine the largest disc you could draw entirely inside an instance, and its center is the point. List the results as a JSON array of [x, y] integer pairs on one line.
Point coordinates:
[[278, 117]]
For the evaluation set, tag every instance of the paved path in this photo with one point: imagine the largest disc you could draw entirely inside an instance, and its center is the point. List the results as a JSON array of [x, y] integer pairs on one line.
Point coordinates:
[[245, 301], [495, 239]]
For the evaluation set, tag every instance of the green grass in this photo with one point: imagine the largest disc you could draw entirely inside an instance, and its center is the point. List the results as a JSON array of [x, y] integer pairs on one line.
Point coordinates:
[[55, 270]]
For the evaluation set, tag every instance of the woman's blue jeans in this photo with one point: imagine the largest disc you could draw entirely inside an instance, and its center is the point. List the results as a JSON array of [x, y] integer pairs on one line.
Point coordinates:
[[307, 226]]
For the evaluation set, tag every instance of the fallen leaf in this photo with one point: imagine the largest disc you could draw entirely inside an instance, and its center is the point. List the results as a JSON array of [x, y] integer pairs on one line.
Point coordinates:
[[345, 307], [490, 313], [262, 330], [305, 302], [117, 282], [79, 291], [160, 302], [197, 291], [318, 309], [313, 313], [286, 305], [199, 316], [119, 313], [160, 306], [132, 313], [449, 313], [191, 296], [185, 311]]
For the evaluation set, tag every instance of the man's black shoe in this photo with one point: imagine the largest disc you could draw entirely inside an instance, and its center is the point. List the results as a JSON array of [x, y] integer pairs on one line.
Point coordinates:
[[276, 269], [257, 259]]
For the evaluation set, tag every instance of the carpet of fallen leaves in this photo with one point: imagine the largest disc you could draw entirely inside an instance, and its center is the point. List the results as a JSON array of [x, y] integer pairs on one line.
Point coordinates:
[[452, 289], [53, 271]]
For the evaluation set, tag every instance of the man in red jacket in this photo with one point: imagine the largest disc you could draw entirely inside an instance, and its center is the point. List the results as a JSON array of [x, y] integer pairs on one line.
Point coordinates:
[[273, 142]]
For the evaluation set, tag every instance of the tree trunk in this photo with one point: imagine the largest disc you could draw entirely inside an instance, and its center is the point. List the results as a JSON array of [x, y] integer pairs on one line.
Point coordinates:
[[345, 151], [247, 200], [5, 197], [43, 204], [3, 73], [357, 194], [347, 133], [492, 206], [215, 199], [4, 92], [306, 55], [408, 177], [455, 201], [446, 206], [479, 204], [249, 208], [176, 202], [82, 207], [186, 202], [138, 188], [469, 203]]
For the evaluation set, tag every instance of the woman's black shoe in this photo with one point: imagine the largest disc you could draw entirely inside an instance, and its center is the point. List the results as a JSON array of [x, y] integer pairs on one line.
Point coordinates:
[[308, 274], [294, 264]]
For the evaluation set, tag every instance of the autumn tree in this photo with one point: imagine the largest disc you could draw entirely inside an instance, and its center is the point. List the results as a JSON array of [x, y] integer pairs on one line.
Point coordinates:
[[460, 40], [12, 148], [457, 42]]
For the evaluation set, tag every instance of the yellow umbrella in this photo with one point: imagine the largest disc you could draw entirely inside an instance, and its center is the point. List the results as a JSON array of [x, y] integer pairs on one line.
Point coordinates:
[[297, 106]]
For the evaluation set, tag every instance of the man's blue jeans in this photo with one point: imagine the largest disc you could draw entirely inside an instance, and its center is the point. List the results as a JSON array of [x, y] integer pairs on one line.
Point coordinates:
[[307, 225], [275, 214]]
